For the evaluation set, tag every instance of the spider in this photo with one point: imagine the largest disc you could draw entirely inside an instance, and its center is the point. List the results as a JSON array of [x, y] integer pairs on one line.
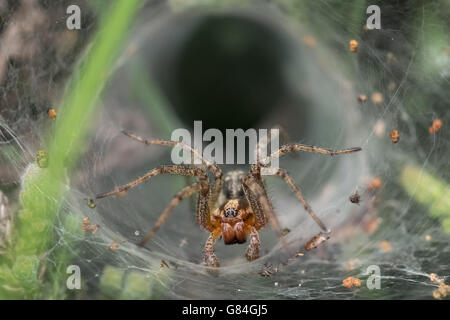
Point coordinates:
[[234, 206], [355, 198]]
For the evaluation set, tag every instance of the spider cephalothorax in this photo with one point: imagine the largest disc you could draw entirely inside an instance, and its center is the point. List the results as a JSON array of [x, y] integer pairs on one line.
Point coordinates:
[[233, 218], [234, 214], [235, 206]]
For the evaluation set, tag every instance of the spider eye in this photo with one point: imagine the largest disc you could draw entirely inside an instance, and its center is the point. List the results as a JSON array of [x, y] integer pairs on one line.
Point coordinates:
[[230, 213]]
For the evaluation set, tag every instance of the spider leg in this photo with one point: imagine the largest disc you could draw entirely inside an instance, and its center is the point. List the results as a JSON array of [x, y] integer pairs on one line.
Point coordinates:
[[252, 252], [203, 207], [211, 166], [302, 147], [218, 175], [209, 257], [172, 169], [215, 190], [184, 193], [203, 217], [256, 195], [264, 142], [251, 193], [282, 173], [192, 201]]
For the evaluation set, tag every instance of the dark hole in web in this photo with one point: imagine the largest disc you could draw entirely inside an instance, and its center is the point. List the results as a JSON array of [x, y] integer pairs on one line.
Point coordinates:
[[228, 65]]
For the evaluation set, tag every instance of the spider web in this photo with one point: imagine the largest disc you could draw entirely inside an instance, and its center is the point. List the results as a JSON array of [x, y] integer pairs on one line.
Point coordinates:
[[405, 78]]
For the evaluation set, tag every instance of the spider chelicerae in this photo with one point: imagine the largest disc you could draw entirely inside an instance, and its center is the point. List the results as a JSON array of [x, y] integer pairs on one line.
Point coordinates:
[[234, 206]]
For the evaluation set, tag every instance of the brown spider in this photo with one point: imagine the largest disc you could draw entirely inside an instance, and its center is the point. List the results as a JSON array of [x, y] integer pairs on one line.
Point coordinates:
[[355, 198], [235, 206]]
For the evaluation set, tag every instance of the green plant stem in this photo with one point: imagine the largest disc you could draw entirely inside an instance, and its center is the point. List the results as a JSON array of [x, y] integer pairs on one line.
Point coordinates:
[[42, 191]]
